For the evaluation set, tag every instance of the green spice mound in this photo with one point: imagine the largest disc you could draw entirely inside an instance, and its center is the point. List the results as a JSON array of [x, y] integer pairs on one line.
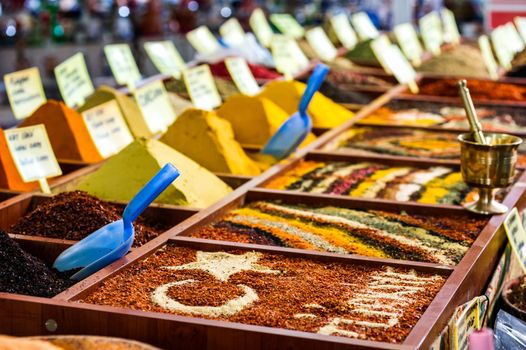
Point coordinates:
[[129, 109], [22, 273], [123, 175], [363, 54]]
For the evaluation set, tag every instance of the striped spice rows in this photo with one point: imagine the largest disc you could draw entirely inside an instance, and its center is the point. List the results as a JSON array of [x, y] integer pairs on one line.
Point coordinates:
[[427, 238]]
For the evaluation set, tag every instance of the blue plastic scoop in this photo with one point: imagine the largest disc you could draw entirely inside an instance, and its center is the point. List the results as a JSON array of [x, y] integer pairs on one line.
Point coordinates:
[[293, 131], [114, 240]]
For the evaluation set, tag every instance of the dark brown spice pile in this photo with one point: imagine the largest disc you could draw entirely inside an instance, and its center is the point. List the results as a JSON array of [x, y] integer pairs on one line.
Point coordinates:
[[322, 291], [517, 294], [74, 215], [22, 273]]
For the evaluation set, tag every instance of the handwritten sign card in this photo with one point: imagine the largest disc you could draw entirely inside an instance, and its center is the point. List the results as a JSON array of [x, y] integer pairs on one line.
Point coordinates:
[[73, 80], [201, 87], [24, 91]]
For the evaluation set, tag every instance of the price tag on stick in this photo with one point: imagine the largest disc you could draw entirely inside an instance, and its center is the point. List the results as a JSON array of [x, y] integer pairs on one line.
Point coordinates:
[[107, 128], [261, 28], [489, 59], [516, 236], [287, 25], [73, 80], [232, 32], [321, 44], [242, 76], [122, 64], [24, 91], [288, 57], [408, 40], [201, 87], [165, 57], [451, 32], [431, 30], [342, 28], [155, 105], [33, 155], [520, 23], [364, 26], [203, 41]]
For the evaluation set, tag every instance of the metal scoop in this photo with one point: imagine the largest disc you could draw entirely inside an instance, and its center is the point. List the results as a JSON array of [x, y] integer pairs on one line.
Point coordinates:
[[295, 129], [114, 240]]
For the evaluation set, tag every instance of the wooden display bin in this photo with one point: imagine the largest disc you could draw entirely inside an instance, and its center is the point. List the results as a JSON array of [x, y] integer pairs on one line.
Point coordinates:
[[64, 314]]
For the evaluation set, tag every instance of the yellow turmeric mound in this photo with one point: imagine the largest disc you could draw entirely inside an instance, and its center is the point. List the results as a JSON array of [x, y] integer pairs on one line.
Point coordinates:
[[67, 132], [209, 140], [254, 119], [324, 112]]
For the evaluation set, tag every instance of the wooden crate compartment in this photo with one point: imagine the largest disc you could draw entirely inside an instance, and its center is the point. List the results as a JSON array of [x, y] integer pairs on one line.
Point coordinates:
[[48, 248]]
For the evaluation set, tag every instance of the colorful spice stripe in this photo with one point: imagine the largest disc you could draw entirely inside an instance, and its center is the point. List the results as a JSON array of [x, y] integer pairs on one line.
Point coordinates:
[[398, 142], [433, 185], [434, 239]]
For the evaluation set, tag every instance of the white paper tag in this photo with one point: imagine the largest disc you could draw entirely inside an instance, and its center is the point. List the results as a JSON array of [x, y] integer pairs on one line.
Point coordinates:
[[122, 64], [517, 236], [343, 30], [32, 153], [288, 57], [364, 26], [203, 41], [408, 40], [431, 30], [287, 25], [201, 87], [520, 23], [24, 91], [489, 59], [73, 80], [451, 32], [321, 44], [242, 76], [107, 128], [165, 57], [155, 105], [502, 48], [232, 32], [260, 26]]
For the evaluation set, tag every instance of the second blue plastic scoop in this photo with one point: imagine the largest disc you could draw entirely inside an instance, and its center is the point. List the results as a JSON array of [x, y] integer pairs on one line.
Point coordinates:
[[293, 131], [114, 240]]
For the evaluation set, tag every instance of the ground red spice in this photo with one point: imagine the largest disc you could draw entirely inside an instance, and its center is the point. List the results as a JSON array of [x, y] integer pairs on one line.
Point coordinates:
[[479, 89], [301, 285], [74, 215]]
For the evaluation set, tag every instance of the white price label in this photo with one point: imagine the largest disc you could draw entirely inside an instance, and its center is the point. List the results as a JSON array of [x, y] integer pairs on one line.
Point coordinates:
[[32, 153], [408, 40], [155, 105], [232, 32], [364, 26], [321, 44], [516, 236], [431, 30], [201, 87], [451, 32], [261, 28], [242, 76], [73, 80], [502, 49], [122, 64], [520, 23], [24, 91], [287, 25], [203, 41], [288, 57], [107, 128], [342, 28], [489, 59], [514, 39], [165, 57]]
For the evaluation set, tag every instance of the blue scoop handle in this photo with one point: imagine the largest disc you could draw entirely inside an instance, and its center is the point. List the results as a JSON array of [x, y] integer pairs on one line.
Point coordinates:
[[149, 192], [313, 84]]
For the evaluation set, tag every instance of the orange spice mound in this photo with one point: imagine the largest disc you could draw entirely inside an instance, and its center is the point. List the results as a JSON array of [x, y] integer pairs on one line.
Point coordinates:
[[479, 89], [67, 132], [9, 177]]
